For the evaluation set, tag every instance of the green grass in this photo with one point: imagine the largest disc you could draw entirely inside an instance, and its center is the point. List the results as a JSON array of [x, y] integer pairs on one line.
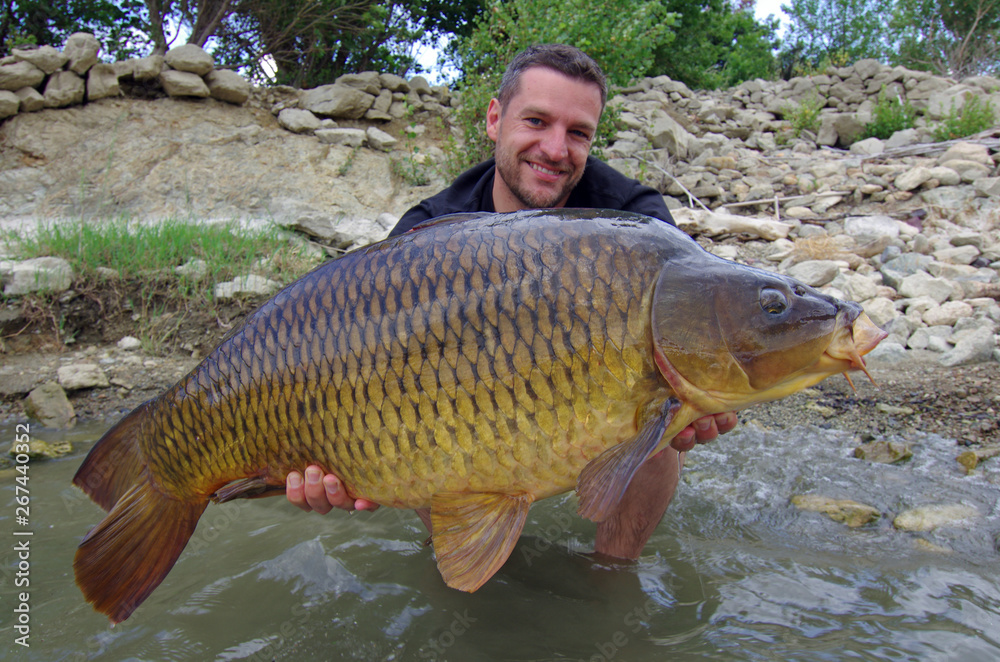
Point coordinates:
[[150, 251]]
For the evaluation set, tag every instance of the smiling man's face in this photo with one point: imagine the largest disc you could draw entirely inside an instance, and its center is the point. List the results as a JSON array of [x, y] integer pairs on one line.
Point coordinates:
[[543, 136]]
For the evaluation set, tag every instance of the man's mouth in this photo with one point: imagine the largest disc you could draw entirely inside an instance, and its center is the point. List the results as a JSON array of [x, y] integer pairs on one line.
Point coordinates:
[[549, 172]]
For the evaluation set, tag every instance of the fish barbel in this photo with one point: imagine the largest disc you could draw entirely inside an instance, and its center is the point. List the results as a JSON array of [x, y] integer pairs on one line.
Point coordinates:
[[471, 366]]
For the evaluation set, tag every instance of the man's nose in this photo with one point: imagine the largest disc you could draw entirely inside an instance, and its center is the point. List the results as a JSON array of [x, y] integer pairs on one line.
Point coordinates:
[[555, 145]]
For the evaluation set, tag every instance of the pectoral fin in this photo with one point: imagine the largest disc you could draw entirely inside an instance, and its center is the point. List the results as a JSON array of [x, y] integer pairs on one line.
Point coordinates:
[[474, 533], [603, 482], [246, 488]]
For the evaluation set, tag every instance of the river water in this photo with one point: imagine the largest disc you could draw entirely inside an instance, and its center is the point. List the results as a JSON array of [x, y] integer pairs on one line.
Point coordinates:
[[734, 572]]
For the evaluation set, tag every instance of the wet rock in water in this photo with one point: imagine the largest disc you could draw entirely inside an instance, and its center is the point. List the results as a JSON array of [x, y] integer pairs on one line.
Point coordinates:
[[851, 513], [970, 459], [49, 405], [884, 452], [82, 375], [928, 518], [39, 449]]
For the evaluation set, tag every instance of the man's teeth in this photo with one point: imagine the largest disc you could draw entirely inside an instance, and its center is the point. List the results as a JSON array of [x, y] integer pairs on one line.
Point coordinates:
[[543, 169]]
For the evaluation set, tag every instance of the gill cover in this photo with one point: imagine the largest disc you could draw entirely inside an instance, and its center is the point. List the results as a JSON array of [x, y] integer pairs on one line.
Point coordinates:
[[722, 327]]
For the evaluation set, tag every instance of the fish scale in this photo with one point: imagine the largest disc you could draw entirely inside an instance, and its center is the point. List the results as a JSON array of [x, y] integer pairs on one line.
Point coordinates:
[[471, 366], [439, 405]]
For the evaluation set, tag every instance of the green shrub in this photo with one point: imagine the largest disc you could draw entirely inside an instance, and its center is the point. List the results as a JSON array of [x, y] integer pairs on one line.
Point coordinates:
[[804, 116], [889, 116], [974, 116]]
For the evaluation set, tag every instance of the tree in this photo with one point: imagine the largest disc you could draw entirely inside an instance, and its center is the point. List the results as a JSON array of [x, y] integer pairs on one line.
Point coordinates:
[[307, 43], [717, 44], [117, 24], [842, 31], [955, 38]]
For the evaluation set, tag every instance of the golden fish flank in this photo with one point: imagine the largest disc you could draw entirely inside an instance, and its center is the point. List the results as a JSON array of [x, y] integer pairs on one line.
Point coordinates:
[[472, 366]]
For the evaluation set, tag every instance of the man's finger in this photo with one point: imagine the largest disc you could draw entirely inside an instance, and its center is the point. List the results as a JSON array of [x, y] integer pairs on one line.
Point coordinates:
[[685, 440], [294, 491], [726, 421]]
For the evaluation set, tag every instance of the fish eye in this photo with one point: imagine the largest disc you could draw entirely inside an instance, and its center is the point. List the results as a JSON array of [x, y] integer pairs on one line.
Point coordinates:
[[773, 302]]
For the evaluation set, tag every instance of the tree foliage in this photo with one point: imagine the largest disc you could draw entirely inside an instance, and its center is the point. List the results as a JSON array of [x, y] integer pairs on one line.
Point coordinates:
[[621, 37], [956, 38], [717, 44], [117, 24], [309, 44], [844, 31]]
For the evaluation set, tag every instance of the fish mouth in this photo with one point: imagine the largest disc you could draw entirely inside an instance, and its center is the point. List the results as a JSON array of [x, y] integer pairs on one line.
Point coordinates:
[[849, 345]]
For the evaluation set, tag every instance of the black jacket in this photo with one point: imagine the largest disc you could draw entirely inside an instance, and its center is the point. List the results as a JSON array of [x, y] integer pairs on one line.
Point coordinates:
[[601, 187]]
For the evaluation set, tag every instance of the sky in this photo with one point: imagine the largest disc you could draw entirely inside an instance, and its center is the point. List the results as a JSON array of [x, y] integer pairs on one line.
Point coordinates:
[[766, 7]]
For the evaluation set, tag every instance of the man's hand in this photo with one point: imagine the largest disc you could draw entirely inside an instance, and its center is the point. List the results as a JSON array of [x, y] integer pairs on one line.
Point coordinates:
[[321, 493], [703, 430]]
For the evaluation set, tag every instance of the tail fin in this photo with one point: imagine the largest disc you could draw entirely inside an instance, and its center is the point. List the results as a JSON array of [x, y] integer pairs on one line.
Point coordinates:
[[128, 554], [115, 462]]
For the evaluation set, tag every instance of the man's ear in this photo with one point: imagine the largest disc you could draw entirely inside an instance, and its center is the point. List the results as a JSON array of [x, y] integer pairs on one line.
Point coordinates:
[[493, 113]]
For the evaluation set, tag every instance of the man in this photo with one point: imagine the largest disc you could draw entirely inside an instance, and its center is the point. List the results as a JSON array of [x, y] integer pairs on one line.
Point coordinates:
[[543, 122]]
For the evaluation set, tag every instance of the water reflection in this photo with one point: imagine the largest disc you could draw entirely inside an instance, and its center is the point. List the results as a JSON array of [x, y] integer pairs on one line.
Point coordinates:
[[733, 573]]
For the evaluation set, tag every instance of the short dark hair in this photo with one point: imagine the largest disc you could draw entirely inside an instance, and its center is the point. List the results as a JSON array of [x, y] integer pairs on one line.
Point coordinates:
[[567, 60]]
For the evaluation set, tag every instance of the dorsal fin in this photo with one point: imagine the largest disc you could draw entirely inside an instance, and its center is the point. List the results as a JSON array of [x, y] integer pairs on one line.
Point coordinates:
[[447, 219]]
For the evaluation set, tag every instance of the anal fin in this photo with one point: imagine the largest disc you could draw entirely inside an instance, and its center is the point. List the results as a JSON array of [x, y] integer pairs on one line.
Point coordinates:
[[602, 483], [474, 533]]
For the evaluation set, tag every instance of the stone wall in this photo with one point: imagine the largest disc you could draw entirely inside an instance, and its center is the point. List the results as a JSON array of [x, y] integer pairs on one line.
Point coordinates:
[[44, 77]]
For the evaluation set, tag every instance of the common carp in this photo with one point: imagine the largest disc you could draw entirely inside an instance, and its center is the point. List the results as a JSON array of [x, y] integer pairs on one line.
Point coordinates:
[[471, 366]]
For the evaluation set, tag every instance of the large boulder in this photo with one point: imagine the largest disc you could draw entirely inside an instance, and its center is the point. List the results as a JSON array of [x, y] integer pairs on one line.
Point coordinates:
[[664, 132], [20, 74], [183, 84], [64, 88], [102, 81], [9, 103], [226, 85], [147, 68], [336, 101], [49, 405], [39, 274], [190, 58], [46, 58], [298, 120], [81, 49], [31, 99]]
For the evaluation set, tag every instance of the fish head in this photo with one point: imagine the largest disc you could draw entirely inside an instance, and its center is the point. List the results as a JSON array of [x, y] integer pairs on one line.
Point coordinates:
[[727, 336]]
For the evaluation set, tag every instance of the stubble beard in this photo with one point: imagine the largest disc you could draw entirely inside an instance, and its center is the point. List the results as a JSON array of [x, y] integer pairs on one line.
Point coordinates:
[[508, 168]]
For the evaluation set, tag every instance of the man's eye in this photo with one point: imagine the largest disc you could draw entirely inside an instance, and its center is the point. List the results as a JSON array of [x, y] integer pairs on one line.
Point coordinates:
[[534, 121]]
